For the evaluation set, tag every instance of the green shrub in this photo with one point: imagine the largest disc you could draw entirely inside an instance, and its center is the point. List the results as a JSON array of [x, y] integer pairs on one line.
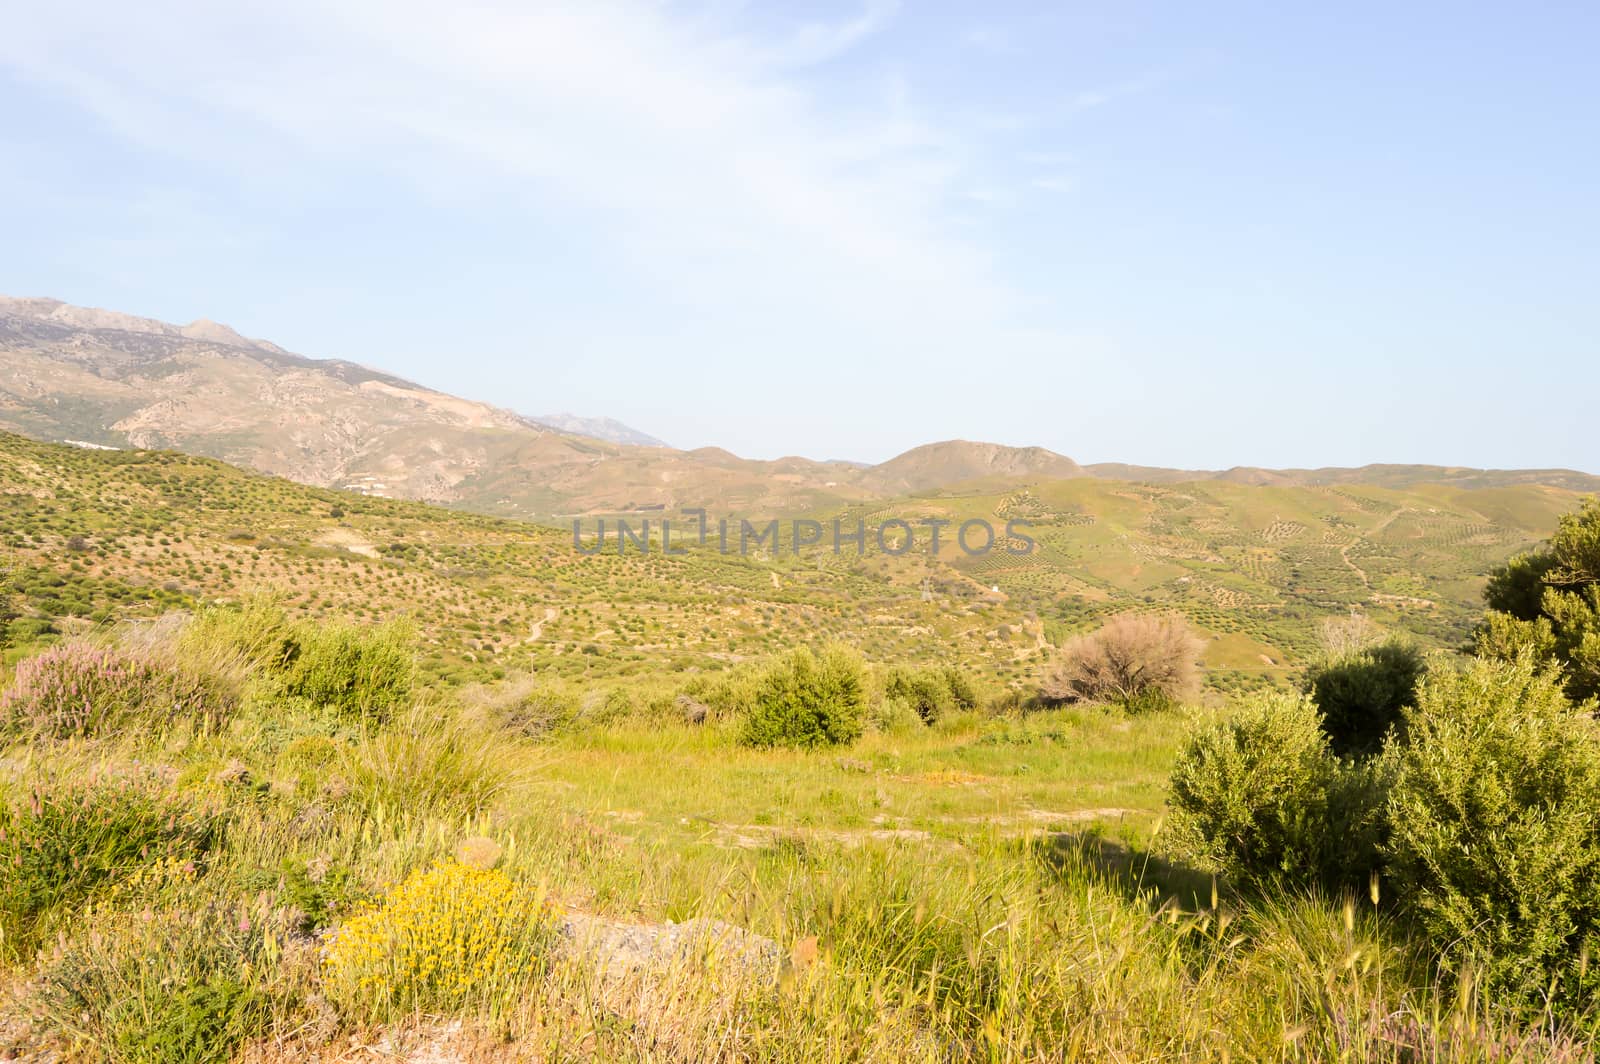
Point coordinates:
[[61, 842], [24, 631], [1149, 700], [1495, 810], [931, 692], [892, 714], [618, 705], [85, 689], [1503, 637], [198, 1021], [1549, 601], [1517, 587], [315, 892], [170, 985], [359, 671], [808, 700], [963, 691], [1361, 694], [1258, 796], [728, 695]]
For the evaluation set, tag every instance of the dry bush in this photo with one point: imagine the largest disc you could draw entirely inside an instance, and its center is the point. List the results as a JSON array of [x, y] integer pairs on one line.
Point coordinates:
[[1340, 636], [1130, 659]]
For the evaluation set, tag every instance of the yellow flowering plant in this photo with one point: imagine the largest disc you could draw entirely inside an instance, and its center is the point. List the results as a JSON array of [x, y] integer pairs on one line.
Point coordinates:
[[450, 938]]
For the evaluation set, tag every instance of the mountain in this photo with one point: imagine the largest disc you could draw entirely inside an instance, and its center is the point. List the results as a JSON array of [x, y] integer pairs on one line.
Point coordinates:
[[97, 377], [599, 428], [100, 378]]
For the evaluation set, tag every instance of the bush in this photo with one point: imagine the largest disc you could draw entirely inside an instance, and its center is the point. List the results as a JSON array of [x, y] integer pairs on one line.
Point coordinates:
[[932, 692], [534, 707], [1149, 700], [84, 689], [727, 696], [24, 631], [892, 714], [1129, 657], [1549, 601], [617, 706], [1502, 637], [808, 700], [257, 631], [1258, 796], [360, 672], [63, 842], [453, 936], [1362, 693], [1495, 810], [170, 985]]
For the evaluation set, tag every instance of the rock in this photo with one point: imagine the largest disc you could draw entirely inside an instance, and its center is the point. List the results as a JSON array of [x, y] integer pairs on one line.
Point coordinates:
[[616, 949]]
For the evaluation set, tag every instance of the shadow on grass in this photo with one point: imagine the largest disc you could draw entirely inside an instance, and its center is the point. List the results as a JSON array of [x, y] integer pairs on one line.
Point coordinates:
[[1137, 872]]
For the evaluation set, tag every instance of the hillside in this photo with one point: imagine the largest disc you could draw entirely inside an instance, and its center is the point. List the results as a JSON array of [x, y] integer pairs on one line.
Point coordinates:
[[91, 536]]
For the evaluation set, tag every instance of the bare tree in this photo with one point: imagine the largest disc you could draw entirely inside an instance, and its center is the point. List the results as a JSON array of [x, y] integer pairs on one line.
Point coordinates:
[[1342, 636], [1129, 656]]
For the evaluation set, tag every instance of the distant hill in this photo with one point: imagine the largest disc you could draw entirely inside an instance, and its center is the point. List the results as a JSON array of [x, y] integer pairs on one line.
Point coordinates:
[[935, 465], [101, 378], [1380, 475]]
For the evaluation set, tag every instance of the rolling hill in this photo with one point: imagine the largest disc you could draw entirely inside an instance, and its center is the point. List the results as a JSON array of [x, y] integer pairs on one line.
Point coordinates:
[[92, 537]]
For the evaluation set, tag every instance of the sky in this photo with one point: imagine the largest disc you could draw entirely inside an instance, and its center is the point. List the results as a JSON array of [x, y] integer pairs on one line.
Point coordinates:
[[1171, 234]]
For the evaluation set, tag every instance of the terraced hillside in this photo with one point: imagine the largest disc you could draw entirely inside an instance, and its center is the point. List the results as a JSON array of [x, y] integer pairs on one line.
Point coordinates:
[[91, 536], [1258, 568]]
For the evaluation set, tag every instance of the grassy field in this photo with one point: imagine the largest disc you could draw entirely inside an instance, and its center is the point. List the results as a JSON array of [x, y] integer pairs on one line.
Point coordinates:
[[983, 889], [197, 877]]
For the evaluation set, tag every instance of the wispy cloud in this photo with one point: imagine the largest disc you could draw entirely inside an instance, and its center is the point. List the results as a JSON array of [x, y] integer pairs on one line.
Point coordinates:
[[675, 132], [818, 42], [1099, 96]]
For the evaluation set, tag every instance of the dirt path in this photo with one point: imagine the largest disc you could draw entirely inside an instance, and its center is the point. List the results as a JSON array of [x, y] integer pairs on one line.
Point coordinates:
[[550, 614], [1344, 551]]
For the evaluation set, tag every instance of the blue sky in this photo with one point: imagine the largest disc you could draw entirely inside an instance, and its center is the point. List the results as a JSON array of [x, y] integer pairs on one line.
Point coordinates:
[[1174, 234]]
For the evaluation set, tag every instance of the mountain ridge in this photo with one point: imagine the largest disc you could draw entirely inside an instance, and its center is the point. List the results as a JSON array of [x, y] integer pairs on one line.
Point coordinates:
[[105, 378]]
